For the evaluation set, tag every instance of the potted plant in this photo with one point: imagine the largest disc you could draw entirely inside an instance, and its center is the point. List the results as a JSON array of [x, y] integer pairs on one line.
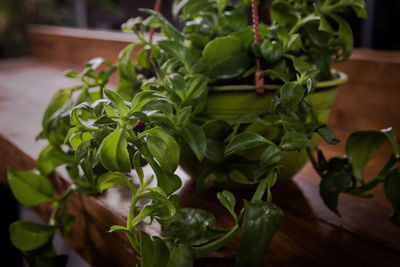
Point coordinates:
[[189, 100]]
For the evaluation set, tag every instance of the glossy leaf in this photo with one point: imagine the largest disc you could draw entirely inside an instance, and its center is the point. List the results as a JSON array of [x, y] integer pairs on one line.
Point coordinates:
[[27, 236], [29, 188], [180, 256], [164, 148], [56, 103], [271, 51], [244, 141], [118, 102], [260, 222], [113, 152], [228, 200], [127, 77], [154, 252], [195, 137], [360, 148], [216, 129], [393, 140], [291, 95], [331, 185], [168, 29], [110, 179], [142, 99], [239, 177], [194, 228], [345, 37], [65, 223], [283, 13], [392, 188], [271, 155], [176, 50], [328, 135], [50, 158], [250, 118], [225, 57], [119, 228]]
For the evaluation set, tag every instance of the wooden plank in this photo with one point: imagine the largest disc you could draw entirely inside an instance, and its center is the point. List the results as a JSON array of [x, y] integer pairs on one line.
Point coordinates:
[[76, 46]]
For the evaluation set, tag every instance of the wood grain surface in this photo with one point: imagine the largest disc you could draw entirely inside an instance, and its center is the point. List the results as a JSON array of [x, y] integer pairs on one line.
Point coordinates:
[[310, 234]]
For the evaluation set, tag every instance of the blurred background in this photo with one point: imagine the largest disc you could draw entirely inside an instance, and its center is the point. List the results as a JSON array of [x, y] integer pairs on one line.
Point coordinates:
[[379, 31]]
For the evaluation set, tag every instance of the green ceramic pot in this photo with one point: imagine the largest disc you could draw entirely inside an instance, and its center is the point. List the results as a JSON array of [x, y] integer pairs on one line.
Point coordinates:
[[231, 102]]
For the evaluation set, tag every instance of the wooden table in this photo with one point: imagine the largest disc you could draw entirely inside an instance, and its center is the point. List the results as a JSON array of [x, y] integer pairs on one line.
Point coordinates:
[[309, 235]]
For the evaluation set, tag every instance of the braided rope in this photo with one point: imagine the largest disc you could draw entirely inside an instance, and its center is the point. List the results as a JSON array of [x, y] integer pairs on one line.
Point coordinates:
[[258, 82], [157, 8]]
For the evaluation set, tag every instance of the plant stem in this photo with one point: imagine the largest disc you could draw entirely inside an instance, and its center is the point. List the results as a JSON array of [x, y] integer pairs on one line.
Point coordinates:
[[300, 23], [131, 236], [315, 164], [58, 203], [219, 243]]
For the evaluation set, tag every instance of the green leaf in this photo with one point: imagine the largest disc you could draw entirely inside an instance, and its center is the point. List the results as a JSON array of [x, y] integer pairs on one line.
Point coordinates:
[[328, 134], [283, 13], [228, 200], [291, 95], [78, 138], [260, 222], [145, 98], [65, 223], [154, 252], [114, 154], [294, 43], [85, 159], [176, 50], [55, 104], [119, 228], [393, 140], [271, 155], [214, 151], [180, 256], [127, 77], [392, 188], [359, 7], [164, 148], [27, 236], [221, 4], [251, 117], [239, 177], [345, 37], [118, 102], [225, 57], [217, 129], [71, 74], [183, 116], [295, 137], [195, 137], [272, 52], [244, 141], [194, 228], [331, 185], [29, 188], [360, 148], [110, 179], [50, 158], [168, 29], [193, 8]]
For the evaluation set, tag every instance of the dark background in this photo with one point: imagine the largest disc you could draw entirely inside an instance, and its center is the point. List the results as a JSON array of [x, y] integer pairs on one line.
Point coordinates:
[[378, 31]]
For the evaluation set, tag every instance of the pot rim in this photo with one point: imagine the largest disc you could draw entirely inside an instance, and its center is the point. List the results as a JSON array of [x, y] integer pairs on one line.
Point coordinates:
[[341, 79]]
